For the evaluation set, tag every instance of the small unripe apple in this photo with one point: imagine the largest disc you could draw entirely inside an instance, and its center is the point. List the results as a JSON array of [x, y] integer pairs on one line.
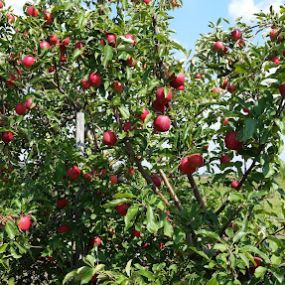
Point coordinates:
[[114, 179], [20, 109], [45, 45], [232, 142], [235, 184], [162, 123], [95, 79], [144, 114], [122, 209], [85, 84], [32, 11], [63, 229], [161, 98], [282, 89], [118, 87], [136, 233], [28, 61], [109, 138], [236, 34], [73, 173], [24, 223], [178, 81], [219, 47], [7, 137], [225, 159], [48, 17], [61, 203], [156, 180], [111, 39]]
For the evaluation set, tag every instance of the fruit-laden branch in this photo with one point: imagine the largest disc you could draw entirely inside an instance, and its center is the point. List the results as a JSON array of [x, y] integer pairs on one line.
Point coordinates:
[[196, 191], [171, 190], [144, 173]]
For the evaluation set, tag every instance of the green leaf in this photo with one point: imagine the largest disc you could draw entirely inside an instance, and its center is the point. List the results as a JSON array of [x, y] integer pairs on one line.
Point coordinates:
[[114, 203], [151, 221], [124, 112], [131, 215], [128, 267], [244, 259], [250, 248], [11, 229], [69, 277], [107, 54], [260, 271], [167, 229], [212, 281], [249, 129], [3, 247]]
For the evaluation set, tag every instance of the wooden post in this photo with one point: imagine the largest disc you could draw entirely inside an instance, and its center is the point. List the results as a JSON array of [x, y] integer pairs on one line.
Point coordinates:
[[80, 128]]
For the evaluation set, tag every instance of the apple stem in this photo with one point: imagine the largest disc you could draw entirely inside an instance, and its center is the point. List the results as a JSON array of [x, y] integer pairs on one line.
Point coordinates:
[[170, 190], [196, 191]]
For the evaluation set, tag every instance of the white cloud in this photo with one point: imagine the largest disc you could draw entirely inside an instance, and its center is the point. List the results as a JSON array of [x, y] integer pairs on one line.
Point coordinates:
[[16, 5], [246, 8]]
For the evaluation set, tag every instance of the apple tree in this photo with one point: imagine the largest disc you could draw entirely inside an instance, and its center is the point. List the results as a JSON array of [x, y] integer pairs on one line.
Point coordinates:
[[122, 164]]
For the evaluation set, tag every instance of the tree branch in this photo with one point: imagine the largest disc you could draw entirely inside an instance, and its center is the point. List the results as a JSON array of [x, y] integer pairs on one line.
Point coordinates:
[[170, 190], [196, 191]]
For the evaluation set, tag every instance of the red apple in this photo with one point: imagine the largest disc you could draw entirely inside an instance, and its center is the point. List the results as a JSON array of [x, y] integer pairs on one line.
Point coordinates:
[[95, 79], [162, 123], [226, 121], [65, 42], [236, 34], [63, 229], [216, 90], [144, 114], [157, 106], [235, 184], [111, 39], [282, 89], [257, 261], [61, 203], [48, 17], [232, 142], [189, 164], [109, 138], [54, 40], [231, 88], [79, 45], [127, 126], [147, 2], [275, 60], [29, 102], [131, 171], [156, 180], [20, 109], [32, 11], [198, 76], [273, 34], [135, 233], [131, 62], [178, 81], [28, 61], [118, 87], [161, 98], [132, 38], [225, 159], [73, 173], [96, 241], [122, 209], [63, 58], [24, 223], [7, 137], [87, 177], [196, 160], [85, 84], [114, 179], [219, 47], [45, 45], [11, 18], [1, 4]]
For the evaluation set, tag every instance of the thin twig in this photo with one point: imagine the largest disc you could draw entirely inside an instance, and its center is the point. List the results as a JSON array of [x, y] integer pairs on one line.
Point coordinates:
[[196, 191]]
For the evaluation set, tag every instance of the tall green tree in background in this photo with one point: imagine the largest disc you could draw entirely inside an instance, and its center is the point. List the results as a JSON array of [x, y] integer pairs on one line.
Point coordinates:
[[122, 165]]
